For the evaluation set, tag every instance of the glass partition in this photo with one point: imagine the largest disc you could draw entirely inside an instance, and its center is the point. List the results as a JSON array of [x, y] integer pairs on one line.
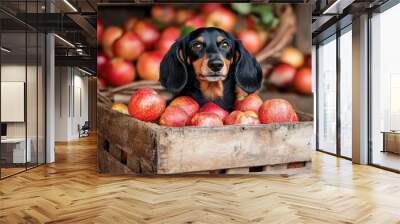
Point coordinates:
[[22, 77], [15, 150], [346, 92], [385, 89], [327, 95]]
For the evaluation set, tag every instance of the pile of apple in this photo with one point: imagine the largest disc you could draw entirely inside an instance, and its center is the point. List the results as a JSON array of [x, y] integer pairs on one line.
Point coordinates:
[[293, 72], [147, 105], [128, 51], [135, 48]]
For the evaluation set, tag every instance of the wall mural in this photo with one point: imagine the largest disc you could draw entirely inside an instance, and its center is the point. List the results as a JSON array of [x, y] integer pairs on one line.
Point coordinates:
[[206, 88]]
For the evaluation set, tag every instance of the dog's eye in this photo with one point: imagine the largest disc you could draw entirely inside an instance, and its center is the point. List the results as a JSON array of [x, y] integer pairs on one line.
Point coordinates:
[[225, 45], [197, 47]]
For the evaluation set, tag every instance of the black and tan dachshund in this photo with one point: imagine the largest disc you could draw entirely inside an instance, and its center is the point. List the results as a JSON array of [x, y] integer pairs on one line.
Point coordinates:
[[209, 64]]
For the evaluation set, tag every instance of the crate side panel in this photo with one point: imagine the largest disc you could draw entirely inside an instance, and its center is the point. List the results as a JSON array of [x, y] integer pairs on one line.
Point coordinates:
[[134, 137], [198, 149]]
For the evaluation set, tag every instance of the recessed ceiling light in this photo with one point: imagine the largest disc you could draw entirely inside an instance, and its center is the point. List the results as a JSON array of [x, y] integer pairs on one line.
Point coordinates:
[[84, 71], [70, 5], [64, 40], [5, 50], [337, 7]]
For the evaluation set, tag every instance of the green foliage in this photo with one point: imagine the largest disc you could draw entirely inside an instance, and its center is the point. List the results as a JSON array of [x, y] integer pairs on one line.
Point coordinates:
[[185, 30], [263, 13], [159, 24], [242, 8]]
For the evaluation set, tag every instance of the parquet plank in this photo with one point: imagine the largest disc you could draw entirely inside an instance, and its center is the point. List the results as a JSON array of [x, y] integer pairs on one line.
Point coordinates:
[[71, 191]]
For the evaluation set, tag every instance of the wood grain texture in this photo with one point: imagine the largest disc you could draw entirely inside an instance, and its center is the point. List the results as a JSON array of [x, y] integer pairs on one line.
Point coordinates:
[[153, 149], [71, 191], [199, 149]]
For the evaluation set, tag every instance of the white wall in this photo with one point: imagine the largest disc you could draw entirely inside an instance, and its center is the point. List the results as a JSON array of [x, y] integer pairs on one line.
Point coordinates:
[[16, 73], [12, 73], [62, 82], [33, 127], [71, 94]]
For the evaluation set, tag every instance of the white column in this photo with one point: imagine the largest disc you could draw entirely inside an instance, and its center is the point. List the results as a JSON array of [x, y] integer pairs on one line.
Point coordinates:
[[360, 90], [50, 92]]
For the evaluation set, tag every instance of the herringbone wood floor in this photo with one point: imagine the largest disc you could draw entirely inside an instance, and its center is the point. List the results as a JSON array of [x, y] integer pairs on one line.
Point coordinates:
[[70, 191]]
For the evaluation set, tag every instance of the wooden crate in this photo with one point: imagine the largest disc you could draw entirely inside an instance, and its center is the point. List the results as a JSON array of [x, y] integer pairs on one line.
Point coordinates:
[[129, 146]]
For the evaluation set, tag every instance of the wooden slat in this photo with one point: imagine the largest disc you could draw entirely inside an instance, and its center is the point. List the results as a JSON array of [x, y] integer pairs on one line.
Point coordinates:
[[199, 149]]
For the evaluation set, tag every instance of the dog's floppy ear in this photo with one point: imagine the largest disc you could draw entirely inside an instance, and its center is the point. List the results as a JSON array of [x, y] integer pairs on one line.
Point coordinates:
[[248, 72], [173, 70]]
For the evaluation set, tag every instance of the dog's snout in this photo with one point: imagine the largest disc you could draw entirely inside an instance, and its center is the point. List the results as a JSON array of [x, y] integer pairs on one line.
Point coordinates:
[[216, 65]]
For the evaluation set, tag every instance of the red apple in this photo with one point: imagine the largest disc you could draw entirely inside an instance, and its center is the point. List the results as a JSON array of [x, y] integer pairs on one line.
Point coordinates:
[[110, 35], [222, 18], [129, 46], [120, 107], [163, 45], [187, 103], [251, 102], [196, 22], [148, 65], [302, 82], [277, 111], [163, 13], [101, 63], [214, 108], [206, 119], [207, 8], [282, 75], [146, 105], [240, 117], [183, 14], [171, 33], [292, 56], [168, 37], [251, 21], [130, 23], [101, 84], [99, 30], [232, 117], [174, 117], [119, 72], [251, 40], [248, 118], [147, 32]]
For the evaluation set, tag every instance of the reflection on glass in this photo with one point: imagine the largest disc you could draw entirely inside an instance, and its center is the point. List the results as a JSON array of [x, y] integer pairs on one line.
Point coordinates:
[[327, 96], [41, 99], [31, 100], [385, 83], [22, 89], [346, 94], [15, 150]]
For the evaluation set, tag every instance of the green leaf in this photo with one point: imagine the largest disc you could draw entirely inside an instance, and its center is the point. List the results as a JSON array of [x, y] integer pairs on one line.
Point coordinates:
[[260, 25], [267, 18], [242, 8], [274, 23], [262, 9], [186, 30], [159, 24]]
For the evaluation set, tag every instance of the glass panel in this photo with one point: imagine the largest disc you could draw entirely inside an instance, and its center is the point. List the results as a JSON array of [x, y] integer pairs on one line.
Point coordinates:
[[41, 98], [13, 87], [32, 98], [327, 96], [346, 94], [385, 84]]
